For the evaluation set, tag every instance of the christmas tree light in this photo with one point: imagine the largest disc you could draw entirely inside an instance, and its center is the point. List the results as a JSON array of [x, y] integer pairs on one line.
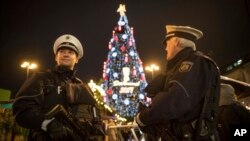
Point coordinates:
[[123, 74]]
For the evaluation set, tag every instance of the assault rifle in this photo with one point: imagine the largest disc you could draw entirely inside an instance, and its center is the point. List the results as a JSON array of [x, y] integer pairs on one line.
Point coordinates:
[[80, 129]]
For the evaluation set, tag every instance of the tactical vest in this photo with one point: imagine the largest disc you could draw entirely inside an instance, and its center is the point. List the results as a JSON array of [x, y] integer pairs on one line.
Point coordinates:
[[75, 96]]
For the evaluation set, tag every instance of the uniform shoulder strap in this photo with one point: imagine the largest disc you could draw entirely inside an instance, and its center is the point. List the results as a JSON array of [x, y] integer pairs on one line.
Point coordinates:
[[198, 53], [78, 80]]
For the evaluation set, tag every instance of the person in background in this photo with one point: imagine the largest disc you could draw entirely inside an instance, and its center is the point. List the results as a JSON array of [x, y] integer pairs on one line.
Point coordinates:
[[55, 104], [231, 112], [185, 99]]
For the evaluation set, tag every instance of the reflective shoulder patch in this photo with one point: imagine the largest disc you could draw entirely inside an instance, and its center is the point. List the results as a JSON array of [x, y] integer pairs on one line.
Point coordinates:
[[186, 66]]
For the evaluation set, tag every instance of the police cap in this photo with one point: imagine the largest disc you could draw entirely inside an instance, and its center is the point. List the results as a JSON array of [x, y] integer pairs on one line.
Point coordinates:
[[185, 32], [69, 41]]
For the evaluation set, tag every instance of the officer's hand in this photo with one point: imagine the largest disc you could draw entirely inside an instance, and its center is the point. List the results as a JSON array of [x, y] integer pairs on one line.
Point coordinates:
[[57, 130]]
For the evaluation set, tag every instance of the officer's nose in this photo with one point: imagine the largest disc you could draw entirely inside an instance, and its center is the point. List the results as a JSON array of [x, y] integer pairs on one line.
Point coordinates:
[[66, 54]]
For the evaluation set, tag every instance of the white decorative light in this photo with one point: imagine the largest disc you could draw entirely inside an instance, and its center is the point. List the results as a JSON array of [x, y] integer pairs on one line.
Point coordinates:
[[141, 96], [114, 54], [132, 53], [124, 36], [126, 101], [140, 69], [115, 74], [122, 23], [107, 70], [114, 96], [112, 49], [239, 62]]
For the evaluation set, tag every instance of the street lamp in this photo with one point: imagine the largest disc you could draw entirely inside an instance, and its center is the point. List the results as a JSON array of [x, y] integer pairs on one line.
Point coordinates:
[[152, 68], [28, 66]]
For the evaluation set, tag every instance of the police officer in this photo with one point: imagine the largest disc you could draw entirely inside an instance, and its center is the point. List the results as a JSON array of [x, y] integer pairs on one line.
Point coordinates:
[[186, 97], [231, 113], [44, 90]]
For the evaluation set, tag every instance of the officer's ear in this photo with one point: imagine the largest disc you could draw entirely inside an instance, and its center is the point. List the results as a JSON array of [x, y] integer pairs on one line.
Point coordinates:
[[177, 41], [56, 57], [77, 59]]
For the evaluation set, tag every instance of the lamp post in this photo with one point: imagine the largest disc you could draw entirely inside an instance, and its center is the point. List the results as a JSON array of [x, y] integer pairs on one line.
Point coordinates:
[[29, 66], [151, 69]]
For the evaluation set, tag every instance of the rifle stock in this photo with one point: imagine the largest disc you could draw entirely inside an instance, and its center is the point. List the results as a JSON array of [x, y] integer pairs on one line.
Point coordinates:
[[59, 112]]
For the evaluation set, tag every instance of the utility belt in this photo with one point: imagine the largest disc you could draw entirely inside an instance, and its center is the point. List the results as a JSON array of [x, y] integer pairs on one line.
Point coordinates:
[[183, 131], [176, 131]]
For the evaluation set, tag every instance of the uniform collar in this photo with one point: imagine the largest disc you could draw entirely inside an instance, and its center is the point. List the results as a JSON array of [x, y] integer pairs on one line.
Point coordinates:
[[179, 56], [65, 72]]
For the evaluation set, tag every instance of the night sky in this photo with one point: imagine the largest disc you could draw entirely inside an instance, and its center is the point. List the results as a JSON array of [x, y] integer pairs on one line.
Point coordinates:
[[29, 29]]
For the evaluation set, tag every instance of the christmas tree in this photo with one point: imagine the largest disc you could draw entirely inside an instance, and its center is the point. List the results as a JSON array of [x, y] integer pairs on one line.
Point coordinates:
[[123, 74]]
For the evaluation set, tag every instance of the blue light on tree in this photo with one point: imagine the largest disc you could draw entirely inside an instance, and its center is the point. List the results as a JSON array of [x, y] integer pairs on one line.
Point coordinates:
[[123, 74]]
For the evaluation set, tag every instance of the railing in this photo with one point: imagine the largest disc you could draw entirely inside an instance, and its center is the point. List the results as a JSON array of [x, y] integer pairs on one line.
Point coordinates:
[[133, 129]]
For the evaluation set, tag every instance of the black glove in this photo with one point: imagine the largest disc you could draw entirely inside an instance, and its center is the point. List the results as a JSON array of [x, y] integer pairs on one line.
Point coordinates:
[[99, 129], [155, 85], [57, 130], [141, 107]]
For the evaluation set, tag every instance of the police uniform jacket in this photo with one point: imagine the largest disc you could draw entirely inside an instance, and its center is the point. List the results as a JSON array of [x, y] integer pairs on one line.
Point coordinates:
[[40, 94], [189, 76]]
